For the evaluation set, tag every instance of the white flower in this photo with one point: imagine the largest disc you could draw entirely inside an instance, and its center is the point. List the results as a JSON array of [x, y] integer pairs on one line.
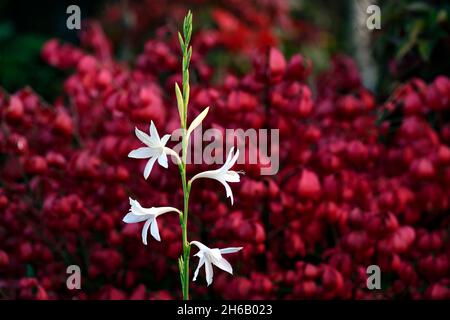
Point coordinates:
[[223, 174], [156, 149], [209, 256], [138, 214]]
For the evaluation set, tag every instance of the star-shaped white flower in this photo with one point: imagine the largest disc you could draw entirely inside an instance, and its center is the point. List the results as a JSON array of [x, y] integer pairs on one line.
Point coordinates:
[[223, 174], [209, 256], [156, 149], [138, 214]]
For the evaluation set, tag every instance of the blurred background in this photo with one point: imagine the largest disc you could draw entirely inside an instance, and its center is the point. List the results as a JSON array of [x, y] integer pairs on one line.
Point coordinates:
[[364, 125], [412, 42]]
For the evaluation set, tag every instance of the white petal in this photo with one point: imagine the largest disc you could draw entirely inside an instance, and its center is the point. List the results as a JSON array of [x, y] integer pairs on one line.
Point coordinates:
[[200, 246], [172, 153], [224, 265], [200, 254], [133, 218], [145, 138], [162, 160], [210, 174], [230, 250], [209, 272], [222, 172], [141, 153], [228, 190], [154, 230], [165, 139], [161, 210], [148, 167], [232, 176], [217, 175], [145, 230], [137, 209], [197, 121], [236, 156], [153, 132], [201, 262], [231, 161], [230, 155]]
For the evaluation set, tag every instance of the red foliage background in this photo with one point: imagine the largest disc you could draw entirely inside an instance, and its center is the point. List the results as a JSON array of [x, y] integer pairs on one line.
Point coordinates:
[[352, 190]]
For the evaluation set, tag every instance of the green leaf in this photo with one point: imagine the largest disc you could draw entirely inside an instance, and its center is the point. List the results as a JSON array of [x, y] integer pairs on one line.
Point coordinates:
[[181, 267], [186, 101], [425, 49], [187, 27], [180, 101], [180, 39], [404, 49], [415, 29], [189, 54]]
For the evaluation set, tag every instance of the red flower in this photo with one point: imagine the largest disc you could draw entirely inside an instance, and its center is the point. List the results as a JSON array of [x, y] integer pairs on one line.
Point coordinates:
[[309, 185]]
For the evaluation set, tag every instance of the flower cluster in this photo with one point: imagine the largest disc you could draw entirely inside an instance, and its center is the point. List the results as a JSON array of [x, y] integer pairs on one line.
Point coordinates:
[[239, 26], [360, 182]]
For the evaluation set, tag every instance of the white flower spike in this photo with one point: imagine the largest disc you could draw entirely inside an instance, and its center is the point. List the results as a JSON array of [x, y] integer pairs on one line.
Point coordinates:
[[156, 149], [209, 256], [138, 214], [223, 174]]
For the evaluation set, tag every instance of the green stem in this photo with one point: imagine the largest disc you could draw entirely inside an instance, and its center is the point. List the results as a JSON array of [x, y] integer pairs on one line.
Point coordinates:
[[186, 245], [184, 267], [187, 52]]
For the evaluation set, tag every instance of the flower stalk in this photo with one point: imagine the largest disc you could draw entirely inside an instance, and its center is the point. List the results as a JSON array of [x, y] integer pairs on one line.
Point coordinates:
[[183, 100], [156, 151]]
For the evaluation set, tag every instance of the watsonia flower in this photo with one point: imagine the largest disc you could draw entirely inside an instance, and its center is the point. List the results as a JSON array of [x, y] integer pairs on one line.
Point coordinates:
[[138, 214], [210, 256], [156, 149], [223, 174]]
